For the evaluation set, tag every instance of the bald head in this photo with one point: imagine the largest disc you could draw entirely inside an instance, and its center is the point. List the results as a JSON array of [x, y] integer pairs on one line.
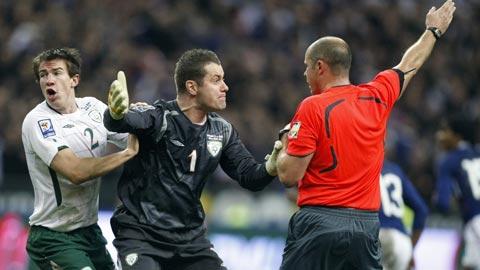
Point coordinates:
[[334, 51]]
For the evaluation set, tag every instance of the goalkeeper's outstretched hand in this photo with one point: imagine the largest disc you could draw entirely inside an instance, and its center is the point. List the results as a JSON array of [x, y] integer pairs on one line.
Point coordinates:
[[118, 97], [271, 164]]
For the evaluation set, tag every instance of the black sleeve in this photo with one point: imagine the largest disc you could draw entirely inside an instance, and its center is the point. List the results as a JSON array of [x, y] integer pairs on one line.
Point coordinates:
[[136, 122], [401, 78], [240, 165]]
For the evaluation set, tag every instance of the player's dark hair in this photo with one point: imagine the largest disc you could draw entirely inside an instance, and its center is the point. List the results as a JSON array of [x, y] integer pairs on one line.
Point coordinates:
[[70, 55], [463, 125], [335, 52], [191, 66]]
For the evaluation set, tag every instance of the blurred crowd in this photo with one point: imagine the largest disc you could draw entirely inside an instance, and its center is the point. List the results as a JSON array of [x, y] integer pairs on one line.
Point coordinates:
[[261, 45]]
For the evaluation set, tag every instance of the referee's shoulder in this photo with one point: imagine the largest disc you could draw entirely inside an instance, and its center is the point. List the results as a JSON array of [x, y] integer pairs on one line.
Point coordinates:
[[312, 101]]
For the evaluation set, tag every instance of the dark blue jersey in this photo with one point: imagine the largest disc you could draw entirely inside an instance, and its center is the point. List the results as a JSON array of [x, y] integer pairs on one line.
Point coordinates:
[[160, 187], [459, 173], [397, 191]]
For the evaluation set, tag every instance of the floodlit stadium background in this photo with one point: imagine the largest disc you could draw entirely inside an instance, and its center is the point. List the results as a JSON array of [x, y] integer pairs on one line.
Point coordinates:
[[261, 45]]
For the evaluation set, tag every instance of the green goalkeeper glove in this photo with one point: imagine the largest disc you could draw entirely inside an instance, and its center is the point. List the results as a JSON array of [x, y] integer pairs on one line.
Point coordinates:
[[271, 164], [118, 97]]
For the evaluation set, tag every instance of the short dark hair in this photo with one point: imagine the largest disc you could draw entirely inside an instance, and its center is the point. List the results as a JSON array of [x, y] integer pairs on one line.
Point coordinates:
[[335, 52], [70, 55], [464, 125], [191, 66]]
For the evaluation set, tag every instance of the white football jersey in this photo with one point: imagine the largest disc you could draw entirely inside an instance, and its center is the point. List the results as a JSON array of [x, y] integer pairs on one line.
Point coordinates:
[[59, 204]]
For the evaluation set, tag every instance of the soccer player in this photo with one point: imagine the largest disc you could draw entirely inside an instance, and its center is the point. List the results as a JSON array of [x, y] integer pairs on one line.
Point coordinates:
[[396, 192], [458, 175], [65, 143], [334, 152], [161, 222]]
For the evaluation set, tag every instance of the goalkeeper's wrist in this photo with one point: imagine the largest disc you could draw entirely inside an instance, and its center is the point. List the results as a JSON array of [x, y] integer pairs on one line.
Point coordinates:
[[116, 116]]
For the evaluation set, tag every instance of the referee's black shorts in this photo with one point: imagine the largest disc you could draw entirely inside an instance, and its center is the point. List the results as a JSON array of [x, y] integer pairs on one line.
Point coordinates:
[[332, 238]]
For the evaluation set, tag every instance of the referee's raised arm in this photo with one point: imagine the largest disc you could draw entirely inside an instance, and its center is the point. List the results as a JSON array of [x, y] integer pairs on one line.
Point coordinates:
[[437, 22]]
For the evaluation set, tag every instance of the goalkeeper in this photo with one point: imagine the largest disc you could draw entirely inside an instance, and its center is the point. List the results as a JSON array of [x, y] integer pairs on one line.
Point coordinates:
[[161, 222]]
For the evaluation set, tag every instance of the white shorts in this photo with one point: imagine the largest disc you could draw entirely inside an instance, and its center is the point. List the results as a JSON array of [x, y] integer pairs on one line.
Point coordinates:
[[397, 249], [471, 237]]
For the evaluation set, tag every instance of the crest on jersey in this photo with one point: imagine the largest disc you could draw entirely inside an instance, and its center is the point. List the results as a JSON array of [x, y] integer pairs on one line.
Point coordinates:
[[293, 133], [95, 116], [46, 128], [131, 258], [214, 144]]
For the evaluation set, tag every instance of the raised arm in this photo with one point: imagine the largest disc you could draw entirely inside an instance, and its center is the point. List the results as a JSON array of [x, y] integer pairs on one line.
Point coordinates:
[[119, 118], [118, 97], [436, 22], [79, 170]]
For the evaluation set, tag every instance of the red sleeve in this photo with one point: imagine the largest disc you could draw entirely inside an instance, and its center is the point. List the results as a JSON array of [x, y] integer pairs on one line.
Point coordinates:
[[387, 85], [305, 125]]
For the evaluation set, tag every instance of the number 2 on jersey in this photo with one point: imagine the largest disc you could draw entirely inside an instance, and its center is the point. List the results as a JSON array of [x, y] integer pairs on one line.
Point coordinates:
[[90, 133]]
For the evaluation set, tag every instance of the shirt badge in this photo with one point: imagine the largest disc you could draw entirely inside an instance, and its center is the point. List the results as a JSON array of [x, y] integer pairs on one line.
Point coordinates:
[[95, 116], [46, 128], [293, 133], [131, 258], [214, 144]]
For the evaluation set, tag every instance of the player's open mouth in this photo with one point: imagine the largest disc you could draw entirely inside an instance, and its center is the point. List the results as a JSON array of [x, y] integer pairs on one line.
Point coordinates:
[[50, 92]]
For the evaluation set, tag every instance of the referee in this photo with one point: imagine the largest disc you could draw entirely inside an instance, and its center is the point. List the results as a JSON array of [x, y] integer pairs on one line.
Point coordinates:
[[335, 153]]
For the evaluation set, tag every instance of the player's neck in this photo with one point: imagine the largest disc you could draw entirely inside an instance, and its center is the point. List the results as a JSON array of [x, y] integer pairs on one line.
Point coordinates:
[[68, 108], [191, 111]]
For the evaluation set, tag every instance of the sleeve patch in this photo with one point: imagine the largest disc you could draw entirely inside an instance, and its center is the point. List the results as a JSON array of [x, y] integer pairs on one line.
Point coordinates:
[[46, 128], [293, 133]]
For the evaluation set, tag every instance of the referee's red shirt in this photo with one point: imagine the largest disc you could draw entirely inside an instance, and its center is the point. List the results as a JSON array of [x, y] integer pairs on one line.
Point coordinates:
[[345, 128]]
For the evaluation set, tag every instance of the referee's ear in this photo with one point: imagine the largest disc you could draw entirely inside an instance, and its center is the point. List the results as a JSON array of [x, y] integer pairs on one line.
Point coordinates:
[[321, 67]]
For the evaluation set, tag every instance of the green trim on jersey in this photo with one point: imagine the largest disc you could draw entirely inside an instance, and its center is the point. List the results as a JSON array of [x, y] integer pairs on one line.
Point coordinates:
[[56, 186]]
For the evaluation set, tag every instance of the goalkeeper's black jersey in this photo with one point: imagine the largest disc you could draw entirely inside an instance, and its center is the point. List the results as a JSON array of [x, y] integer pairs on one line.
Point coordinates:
[[160, 188]]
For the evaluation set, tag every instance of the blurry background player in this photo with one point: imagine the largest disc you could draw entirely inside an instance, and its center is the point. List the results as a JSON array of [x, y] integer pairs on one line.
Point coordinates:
[[458, 175], [65, 143], [396, 192], [161, 222]]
